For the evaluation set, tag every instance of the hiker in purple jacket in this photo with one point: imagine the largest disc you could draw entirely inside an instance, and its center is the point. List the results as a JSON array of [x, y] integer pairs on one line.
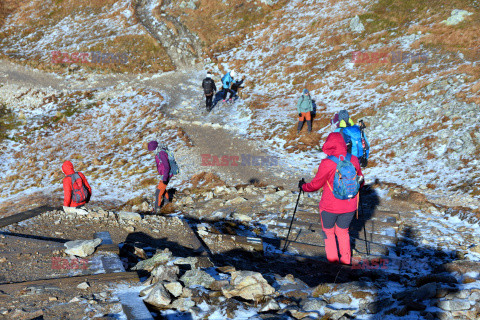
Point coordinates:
[[163, 168]]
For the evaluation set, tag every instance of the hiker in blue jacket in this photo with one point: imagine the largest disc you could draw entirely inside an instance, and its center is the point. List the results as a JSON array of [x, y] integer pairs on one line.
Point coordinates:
[[357, 143], [227, 81]]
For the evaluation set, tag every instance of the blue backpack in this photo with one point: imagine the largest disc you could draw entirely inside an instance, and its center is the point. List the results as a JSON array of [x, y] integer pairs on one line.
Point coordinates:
[[353, 135], [346, 182]]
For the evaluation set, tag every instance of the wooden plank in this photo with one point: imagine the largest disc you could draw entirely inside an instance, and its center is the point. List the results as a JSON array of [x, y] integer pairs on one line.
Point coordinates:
[[12, 288], [377, 215], [318, 227], [25, 215], [317, 234], [104, 235]]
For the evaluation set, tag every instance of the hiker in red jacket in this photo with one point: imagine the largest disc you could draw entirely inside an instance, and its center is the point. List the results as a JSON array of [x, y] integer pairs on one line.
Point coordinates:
[[76, 190], [335, 214]]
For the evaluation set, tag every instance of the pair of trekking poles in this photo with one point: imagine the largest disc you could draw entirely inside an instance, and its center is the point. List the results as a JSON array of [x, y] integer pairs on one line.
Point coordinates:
[[295, 210]]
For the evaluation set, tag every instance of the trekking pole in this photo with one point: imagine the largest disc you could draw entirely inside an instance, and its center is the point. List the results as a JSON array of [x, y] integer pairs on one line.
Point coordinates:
[[364, 227], [291, 222]]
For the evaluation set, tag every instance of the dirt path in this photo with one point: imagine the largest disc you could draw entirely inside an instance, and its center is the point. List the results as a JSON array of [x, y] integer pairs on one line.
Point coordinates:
[[185, 107]]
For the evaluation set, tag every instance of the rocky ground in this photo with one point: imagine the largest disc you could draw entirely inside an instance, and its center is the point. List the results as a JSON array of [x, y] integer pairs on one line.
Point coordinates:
[[219, 254]]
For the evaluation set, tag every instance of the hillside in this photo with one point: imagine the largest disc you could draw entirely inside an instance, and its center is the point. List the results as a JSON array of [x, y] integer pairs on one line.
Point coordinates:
[[416, 112]]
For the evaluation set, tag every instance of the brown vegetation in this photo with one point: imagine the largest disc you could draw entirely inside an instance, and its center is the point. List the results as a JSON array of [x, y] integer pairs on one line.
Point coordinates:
[[205, 181]]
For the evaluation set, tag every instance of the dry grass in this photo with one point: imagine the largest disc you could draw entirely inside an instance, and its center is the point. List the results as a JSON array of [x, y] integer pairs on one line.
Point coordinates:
[[205, 181], [6, 8], [320, 290], [223, 26], [398, 15], [144, 53]]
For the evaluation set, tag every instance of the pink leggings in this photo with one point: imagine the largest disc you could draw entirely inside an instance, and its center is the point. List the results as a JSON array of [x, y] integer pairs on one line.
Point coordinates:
[[337, 224]]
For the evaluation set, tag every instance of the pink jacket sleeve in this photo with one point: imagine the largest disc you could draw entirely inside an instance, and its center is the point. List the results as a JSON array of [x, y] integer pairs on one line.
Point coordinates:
[[320, 178]]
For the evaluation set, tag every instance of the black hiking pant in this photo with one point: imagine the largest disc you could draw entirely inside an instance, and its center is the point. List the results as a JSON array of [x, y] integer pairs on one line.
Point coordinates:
[[225, 93], [208, 101]]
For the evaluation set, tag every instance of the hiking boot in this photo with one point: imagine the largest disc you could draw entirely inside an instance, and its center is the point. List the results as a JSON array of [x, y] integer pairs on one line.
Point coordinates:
[[223, 100]]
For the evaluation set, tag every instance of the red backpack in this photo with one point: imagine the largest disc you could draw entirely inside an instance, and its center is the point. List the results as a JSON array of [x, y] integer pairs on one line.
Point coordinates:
[[79, 191]]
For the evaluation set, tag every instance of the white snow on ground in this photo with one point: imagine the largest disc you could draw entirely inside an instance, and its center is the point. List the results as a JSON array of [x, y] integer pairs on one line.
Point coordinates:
[[106, 142]]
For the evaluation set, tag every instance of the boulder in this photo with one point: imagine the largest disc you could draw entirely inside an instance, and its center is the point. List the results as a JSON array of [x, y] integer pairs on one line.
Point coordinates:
[[269, 306], [175, 288], [313, 304], [235, 201], [454, 305], [197, 277], [165, 273], [342, 298], [83, 286], [356, 25], [129, 216], [82, 248], [456, 17], [242, 217], [190, 261], [209, 196], [159, 258], [188, 4], [248, 285], [146, 290], [158, 296], [183, 304]]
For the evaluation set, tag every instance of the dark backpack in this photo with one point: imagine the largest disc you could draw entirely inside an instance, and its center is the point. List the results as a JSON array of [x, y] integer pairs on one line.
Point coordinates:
[[345, 182], [79, 191], [208, 85], [366, 150]]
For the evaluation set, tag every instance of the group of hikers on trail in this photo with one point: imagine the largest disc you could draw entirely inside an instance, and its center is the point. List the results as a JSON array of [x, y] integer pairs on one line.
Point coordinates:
[[77, 192], [339, 175], [229, 86]]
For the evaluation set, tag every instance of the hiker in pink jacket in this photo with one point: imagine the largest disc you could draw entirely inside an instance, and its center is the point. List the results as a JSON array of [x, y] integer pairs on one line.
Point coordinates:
[[335, 214], [163, 169]]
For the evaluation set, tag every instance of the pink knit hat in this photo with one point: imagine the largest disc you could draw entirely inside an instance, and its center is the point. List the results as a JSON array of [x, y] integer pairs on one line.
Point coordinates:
[[152, 145]]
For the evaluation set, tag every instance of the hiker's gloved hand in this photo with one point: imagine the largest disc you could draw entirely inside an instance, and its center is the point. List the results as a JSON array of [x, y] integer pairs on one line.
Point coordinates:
[[300, 114], [360, 179], [301, 183]]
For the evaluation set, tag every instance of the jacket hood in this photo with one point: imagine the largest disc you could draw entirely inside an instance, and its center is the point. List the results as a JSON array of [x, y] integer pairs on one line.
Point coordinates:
[[335, 145], [161, 147], [67, 168]]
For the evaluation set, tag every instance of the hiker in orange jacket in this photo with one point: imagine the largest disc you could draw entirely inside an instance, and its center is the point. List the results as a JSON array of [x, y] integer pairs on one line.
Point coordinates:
[[76, 190]]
